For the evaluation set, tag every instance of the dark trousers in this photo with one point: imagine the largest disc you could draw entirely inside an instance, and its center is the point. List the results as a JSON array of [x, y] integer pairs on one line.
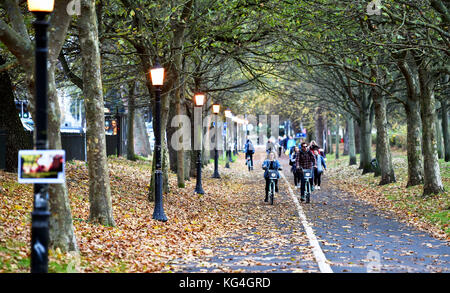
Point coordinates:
[[317, 176], [248, 155], [297, 176]]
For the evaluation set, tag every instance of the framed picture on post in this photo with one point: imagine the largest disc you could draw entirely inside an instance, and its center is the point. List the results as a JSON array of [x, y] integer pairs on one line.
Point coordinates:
[[41, 166]]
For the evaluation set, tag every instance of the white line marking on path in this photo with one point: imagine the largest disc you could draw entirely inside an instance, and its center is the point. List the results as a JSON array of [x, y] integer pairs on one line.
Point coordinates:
[[318, 253]]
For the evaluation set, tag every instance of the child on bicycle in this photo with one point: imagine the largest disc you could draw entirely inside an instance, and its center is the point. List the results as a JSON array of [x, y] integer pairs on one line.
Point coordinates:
[[271, 164]]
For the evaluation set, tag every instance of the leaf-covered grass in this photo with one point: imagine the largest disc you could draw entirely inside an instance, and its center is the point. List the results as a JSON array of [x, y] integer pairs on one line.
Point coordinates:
[[430, 213], [222, 160]]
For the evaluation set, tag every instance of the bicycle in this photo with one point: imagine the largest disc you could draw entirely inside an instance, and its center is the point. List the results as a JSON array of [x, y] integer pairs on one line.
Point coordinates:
[[307, 175], [272, 177]]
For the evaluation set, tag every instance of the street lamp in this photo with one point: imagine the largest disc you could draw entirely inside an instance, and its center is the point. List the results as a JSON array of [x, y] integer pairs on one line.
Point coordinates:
[[40, 215], [157, 77], [228, 115], [216, 110], [199, 100]]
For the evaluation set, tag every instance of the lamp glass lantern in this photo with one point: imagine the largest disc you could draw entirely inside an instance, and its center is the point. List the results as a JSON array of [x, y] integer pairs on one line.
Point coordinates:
[[228, 113], [199, 99], [41, 5], [157, 75], [216, 108]]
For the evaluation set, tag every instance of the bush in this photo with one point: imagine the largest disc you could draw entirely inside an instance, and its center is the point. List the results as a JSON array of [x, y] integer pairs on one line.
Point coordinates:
[[398, 140]]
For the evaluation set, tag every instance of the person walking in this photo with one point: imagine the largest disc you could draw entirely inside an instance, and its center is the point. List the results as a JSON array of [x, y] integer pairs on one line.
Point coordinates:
[[249, 150], [305, 160], [296, 169], [270, 147], [321, 166], [290, 145], [313, 146]]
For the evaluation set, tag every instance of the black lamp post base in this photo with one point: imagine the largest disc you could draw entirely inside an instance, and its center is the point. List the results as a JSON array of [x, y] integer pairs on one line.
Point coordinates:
[[199, 190], [159, 216], [216, 175], [158, 212]]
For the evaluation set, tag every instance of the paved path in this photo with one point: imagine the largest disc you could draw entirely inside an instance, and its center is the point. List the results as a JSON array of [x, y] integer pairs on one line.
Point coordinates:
[[356, 237], [353, 236], [274, 240]]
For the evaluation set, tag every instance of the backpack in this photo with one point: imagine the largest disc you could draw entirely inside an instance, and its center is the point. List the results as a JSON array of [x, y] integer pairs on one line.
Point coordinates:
[[251, 148]]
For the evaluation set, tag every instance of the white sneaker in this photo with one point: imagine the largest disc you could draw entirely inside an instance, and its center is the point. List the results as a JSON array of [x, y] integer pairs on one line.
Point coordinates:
[[318, 187]]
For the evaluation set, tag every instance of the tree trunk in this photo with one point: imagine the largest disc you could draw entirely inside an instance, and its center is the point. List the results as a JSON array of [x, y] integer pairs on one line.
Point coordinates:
[[432, 174], [181, 152], [61, 227], [413, 122], [131, 121], [413, 142], [445, 129], [346, 146], [320, 126], [366, 136], [16, 136], [383, 150], [357, 136], [440, 148], [351, 141], [99, 183], [170, 132], [329, 139], [337, 136], [62, 234], [141, 139]]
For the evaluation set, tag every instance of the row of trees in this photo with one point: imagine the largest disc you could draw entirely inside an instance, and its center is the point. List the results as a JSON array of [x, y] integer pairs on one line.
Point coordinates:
[[299, 59]]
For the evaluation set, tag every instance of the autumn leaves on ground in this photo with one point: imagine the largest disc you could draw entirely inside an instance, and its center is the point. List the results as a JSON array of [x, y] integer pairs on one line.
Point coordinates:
[[196, 222], [137, 243]]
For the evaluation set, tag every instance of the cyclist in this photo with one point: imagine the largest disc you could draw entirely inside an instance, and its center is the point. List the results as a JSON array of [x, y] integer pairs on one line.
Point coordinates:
[[305, 160], [249, 150], [270, 147], [271, 164]]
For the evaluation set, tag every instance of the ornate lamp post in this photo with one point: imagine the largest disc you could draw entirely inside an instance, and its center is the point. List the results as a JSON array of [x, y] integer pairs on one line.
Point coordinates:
[[216, 110], [199, 100], [40, 215], [157, 77]]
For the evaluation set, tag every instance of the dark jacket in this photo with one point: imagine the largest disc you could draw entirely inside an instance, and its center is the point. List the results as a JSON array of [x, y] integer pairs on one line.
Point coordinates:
[[305, 160]]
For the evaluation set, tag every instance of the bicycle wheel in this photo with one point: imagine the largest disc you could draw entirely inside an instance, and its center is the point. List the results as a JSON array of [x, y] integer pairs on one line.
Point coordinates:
[[307, 191], [271, 191]]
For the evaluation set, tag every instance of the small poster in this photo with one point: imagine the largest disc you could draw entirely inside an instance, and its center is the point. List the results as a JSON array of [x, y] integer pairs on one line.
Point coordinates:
[[41, 166]]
